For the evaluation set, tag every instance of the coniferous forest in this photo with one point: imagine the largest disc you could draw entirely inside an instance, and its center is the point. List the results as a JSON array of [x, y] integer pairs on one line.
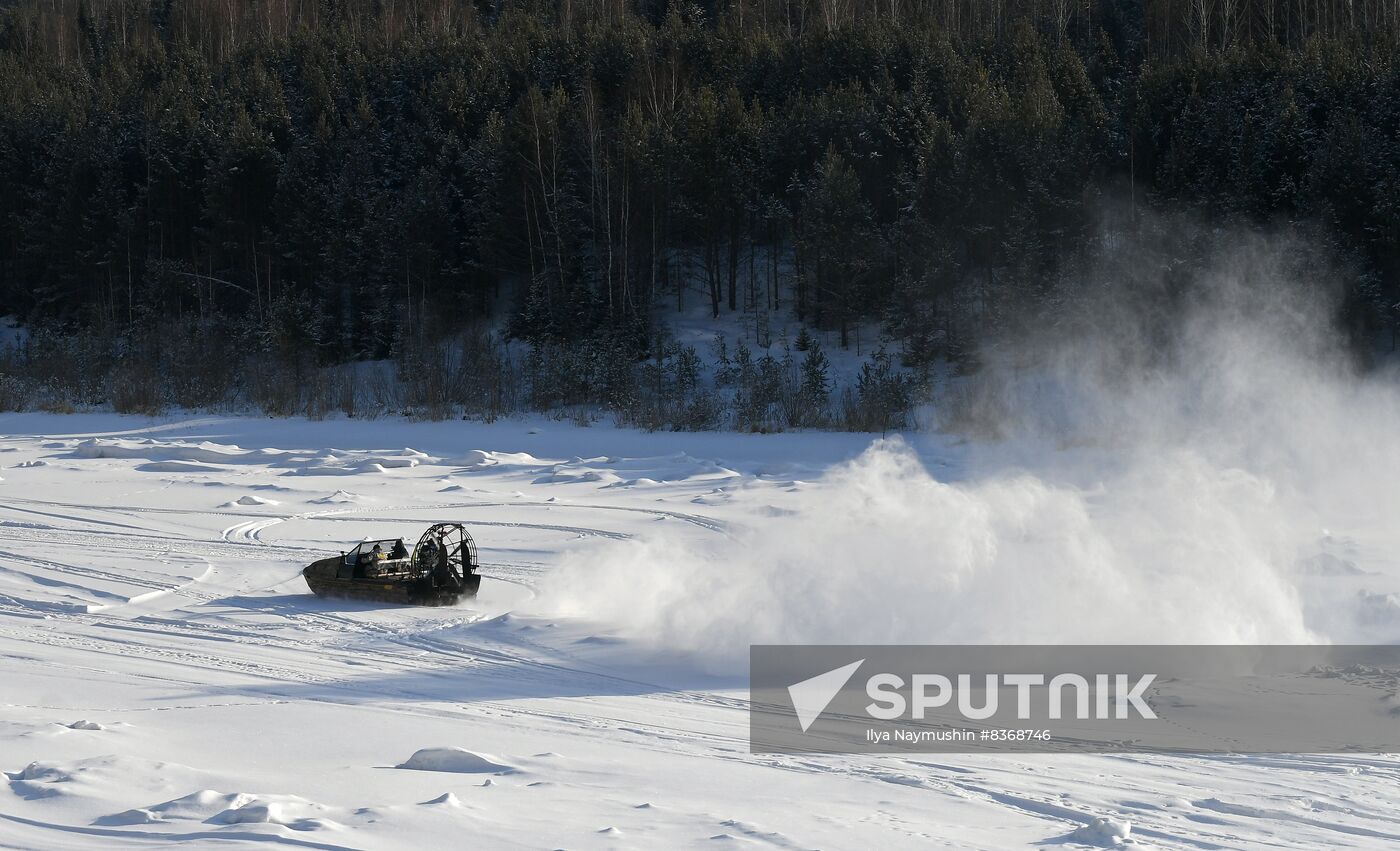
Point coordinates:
[[208, 203]]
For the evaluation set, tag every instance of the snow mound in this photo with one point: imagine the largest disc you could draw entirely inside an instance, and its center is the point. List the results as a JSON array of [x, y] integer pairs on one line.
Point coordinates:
[[250, 499], [96, 778], [182, 457], [477, 460], [85, 725], [340, 464], [212, 807], [157, 450], [339, 498], [455, 760], [1105, 832], [45, 772], [196, 806], [270, 812], [446, 799], [560, 475], [642, 482]]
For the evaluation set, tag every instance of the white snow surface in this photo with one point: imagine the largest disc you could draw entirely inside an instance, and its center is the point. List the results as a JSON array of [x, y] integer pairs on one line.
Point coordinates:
[[168, 678]]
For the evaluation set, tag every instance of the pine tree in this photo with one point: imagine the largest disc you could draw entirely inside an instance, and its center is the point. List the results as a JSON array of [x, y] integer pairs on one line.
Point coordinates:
[[814, 376]]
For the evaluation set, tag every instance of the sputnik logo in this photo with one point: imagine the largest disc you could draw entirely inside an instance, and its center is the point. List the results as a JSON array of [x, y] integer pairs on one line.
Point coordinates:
[[811, 696]]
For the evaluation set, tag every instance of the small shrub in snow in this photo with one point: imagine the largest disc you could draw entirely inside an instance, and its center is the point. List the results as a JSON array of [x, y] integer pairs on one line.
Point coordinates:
[[15, 394], [136, 389], [882, 398]]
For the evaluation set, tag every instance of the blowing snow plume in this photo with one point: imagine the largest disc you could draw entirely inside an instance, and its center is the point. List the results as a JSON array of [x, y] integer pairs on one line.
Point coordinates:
[[1215, 473]]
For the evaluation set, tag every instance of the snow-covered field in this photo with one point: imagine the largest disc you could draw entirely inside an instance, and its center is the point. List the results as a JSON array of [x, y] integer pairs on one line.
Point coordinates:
[[167, 677]]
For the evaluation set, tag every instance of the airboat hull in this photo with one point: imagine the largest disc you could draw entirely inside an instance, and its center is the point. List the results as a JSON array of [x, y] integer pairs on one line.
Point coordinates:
[[321, 578]]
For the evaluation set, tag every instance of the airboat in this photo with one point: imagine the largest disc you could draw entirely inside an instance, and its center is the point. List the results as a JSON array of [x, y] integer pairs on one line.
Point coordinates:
[[440, 569]]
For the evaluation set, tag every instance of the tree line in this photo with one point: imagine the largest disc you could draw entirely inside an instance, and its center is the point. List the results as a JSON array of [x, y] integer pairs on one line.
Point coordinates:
[[317, 182]]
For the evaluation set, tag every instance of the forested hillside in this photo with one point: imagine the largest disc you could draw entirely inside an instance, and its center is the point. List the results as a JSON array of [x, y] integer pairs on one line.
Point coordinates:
[[203, 199]]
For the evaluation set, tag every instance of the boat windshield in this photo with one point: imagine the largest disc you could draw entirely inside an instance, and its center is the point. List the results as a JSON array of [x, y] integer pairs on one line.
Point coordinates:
[[389, 548]]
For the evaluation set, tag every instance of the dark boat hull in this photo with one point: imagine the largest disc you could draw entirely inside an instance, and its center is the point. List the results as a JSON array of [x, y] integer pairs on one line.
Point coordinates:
[[322, 579]]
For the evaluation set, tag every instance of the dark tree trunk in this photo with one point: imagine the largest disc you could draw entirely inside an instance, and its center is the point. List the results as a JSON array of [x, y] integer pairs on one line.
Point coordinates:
[[733, 267]]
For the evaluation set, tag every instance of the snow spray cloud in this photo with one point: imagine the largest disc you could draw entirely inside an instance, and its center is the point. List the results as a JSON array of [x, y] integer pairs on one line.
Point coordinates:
[[1216, 486]]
